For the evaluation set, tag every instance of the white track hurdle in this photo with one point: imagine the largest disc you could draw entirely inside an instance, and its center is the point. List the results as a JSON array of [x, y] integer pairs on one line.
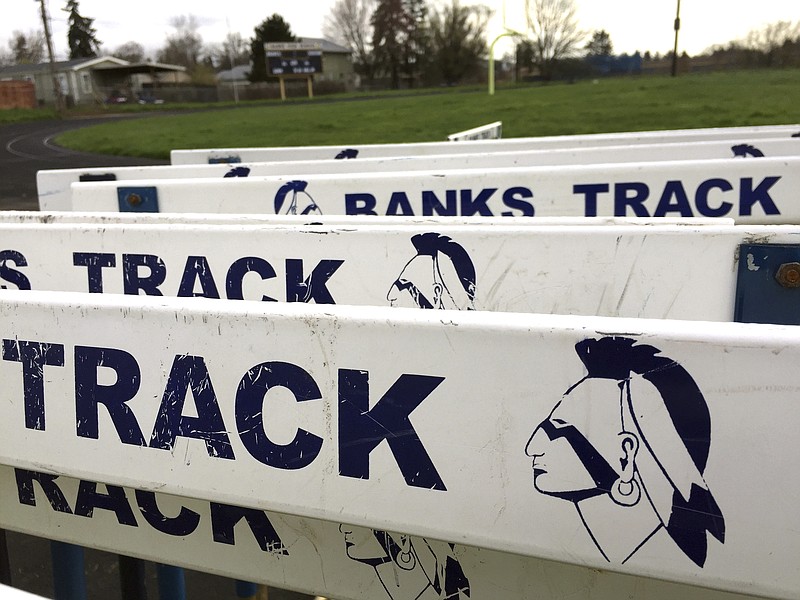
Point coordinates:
[[737, 135], [750, 191], [53, 185], [630, 271], [483, 447], [307, 555], [130, 218]]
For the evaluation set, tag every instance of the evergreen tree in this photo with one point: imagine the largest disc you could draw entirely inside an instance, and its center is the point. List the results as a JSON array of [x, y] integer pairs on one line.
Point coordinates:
[[600, 44], [273, 29], [391, 24], [417, 43], [81, 36]]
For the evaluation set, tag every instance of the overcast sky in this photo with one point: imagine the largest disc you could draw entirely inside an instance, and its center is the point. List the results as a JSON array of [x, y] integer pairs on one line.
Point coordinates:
[[632, 24]]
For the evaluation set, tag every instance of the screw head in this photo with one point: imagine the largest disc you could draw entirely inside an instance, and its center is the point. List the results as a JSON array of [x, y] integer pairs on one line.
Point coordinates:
[[788, 275], [134, 199]]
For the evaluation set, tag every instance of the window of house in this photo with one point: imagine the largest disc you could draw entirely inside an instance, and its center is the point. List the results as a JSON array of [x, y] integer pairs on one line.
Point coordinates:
[[86, 83]]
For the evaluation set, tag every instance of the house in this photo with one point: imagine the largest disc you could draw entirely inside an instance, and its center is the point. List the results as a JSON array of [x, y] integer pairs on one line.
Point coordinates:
[[337, 64], [92, 80]]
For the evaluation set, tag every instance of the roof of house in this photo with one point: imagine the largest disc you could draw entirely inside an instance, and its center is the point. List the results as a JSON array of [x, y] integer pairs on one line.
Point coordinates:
[[327, 46], [237, 73], [99, 63]]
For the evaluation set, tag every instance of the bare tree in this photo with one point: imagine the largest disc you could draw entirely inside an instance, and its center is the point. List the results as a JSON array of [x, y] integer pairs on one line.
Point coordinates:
[[458, 40], [772, 39], [27, 49], [183, 47], [350, 23], [554, 32], [130, 51], [235, 51]]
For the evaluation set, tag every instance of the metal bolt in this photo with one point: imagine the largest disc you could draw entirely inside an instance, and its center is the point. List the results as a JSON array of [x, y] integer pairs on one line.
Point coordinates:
[[134, 199], [788, 275]]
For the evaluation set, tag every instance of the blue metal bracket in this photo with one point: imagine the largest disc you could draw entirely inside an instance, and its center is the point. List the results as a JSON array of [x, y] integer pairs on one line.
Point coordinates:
[[768, 284], [138, 199]]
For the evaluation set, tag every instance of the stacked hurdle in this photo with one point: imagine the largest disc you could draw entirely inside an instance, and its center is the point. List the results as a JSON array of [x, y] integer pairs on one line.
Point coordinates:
[[325, 435]]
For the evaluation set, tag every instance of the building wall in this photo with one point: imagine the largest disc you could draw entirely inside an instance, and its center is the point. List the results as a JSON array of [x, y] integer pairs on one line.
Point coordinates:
[[338, 68], [17, 94]]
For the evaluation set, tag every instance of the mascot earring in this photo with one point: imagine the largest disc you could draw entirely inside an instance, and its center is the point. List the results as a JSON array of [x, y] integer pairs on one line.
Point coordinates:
[[626, 490], [405, 558]]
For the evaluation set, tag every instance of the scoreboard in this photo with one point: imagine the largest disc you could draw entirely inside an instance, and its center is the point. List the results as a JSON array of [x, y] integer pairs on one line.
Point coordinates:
[[293, 58]]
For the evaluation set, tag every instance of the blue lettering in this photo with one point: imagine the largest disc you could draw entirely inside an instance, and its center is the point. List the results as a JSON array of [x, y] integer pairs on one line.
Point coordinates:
[[513, 198], [305, 446], [114, 500], [89, 394], [47, 482], [94, 263], [225, 517], [590, 191], [622, 199], [361, 429], [133, 282], [184, 524], [701, 198], [313, 287], [673, 190], [471, 207], [359, 204], [240, 268], [12, 275], [34, 356], [399, 201], [432, 206], [190, 373], [758, 195], [197, 270]]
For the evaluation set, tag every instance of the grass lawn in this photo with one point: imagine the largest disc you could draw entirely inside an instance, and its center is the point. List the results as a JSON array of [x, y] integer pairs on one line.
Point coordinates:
[[762, 97]]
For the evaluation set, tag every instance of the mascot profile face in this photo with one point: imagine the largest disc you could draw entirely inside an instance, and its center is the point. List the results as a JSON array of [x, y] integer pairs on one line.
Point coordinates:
[[293, 199], [440, 276], [628, 445]]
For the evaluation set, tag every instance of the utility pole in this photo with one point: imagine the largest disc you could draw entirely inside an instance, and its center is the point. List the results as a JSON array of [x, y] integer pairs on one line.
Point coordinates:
[[675, 47], [48, 39]]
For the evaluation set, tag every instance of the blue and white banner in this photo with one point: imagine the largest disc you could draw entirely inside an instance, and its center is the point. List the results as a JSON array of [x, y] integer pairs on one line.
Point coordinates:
[[609, 443]]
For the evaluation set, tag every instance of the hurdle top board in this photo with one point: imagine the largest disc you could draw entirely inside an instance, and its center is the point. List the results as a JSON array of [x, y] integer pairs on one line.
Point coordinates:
[[631, 271], [750, 191], [131, 218], [53, 185], [319, 558], [293, 402], [736, 135]]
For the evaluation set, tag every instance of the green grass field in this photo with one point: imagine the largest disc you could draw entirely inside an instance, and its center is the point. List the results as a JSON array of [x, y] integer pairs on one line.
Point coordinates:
[[604, 105]]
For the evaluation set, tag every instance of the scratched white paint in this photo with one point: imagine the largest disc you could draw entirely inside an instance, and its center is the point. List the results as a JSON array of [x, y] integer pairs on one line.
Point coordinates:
[[650, 271], [734, 134], [72, 217], [314, 557], [750, 191], [53, 185], [498, 379], [10, 593]]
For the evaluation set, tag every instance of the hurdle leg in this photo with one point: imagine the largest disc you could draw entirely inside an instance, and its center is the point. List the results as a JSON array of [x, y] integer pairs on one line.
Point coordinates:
[[171, 583], [131, 578], [69, 579], [5, 566]]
